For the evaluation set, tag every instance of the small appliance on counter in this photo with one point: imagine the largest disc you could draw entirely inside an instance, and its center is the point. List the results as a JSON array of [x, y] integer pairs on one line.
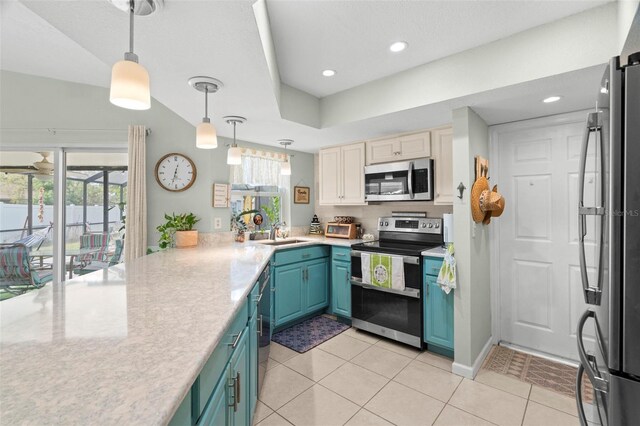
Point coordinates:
[[315, 228], [342, 230]]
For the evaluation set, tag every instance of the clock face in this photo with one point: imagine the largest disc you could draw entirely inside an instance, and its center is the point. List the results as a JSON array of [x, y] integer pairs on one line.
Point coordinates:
[[175, 172]]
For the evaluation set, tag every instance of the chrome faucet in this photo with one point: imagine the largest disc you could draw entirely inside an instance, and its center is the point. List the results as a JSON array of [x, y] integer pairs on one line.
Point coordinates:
[[274, 228]]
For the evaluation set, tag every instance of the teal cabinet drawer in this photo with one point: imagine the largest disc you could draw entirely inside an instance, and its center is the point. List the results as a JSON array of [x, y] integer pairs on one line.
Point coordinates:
[[432, 265], [285, 257], [341, 254], [216, 364]]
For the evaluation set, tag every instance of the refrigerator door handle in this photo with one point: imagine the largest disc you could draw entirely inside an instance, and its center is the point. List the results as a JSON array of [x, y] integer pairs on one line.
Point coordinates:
[[599, 384], [592, 295], [579, 401]]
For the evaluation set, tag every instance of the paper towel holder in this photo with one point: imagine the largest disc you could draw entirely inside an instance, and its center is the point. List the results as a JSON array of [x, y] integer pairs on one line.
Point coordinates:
[[461, 189]]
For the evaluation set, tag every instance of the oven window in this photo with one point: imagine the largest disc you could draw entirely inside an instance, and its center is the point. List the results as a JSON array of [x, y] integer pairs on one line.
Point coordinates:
[[388, 310]]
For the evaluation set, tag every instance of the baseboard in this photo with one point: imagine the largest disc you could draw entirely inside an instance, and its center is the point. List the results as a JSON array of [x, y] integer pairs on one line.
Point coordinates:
[[470, 371]]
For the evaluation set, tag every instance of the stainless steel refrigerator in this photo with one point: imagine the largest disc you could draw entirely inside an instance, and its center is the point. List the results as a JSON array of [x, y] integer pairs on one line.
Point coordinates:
[[609, 242]]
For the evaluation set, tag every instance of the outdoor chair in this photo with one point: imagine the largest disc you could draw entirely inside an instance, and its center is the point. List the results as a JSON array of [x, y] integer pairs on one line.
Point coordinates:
[[99, 241], [96, 265], [16, 273]]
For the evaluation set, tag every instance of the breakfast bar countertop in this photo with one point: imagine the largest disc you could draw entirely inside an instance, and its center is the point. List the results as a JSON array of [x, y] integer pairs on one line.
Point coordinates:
[[124, 345], [121, 345]]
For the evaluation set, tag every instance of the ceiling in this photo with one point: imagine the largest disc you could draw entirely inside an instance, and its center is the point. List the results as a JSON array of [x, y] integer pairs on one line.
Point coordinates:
[[353, 37], [221, 39]]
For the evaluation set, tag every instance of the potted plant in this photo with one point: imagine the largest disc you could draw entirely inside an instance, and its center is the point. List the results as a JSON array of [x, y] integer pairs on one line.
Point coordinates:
[[238, 224], [273, 213], [178, 230]]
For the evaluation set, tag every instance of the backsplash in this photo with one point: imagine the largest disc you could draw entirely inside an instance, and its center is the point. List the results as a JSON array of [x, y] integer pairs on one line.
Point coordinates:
[[368, 215]]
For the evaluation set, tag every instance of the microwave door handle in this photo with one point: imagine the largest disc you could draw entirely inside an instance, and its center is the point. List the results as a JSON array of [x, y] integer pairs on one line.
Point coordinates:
[[410, 180]]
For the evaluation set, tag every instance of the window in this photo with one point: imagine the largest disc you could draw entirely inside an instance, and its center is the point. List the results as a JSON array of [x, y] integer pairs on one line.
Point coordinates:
[[257, 184]]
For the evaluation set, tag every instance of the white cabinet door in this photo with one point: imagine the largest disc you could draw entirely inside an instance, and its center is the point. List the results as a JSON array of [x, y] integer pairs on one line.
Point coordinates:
[[442, 154], [330, 176], [353, 173], [383, 151], [414, 146]]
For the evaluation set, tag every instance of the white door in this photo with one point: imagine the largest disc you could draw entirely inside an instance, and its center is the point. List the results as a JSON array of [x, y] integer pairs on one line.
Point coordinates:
[[540, 293], [353, 174]]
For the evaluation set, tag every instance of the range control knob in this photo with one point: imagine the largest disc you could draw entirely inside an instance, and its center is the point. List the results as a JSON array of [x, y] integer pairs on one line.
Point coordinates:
[[424, 224], [386, 224], [431, 225], [381, 223], [437, 225]]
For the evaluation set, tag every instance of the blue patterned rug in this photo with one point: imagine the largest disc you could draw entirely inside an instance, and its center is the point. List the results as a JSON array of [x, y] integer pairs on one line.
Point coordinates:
[[309, 334]]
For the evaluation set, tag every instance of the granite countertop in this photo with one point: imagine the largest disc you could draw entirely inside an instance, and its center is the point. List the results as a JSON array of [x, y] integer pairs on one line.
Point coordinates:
[[121, 345], [124, 345], [435, 252]]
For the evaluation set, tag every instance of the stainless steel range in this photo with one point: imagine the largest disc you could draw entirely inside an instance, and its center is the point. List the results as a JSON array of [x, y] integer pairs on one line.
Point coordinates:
[[389, 312]]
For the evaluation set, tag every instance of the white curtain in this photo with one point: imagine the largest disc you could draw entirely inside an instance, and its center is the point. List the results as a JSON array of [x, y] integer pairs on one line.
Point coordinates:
[[260, 168], [136, 220]]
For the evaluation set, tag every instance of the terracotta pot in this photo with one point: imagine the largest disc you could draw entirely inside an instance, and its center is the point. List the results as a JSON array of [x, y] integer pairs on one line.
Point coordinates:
[[239, 237], [186, 239]]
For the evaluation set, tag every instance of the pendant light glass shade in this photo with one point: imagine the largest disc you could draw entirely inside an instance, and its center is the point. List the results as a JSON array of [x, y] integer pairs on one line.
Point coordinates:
[[285, 168], [130, 86], [129, 80], [234, 156], [206, 136]]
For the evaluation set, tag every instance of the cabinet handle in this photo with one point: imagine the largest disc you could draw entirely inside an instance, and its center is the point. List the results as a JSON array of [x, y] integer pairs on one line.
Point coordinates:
[[340, 254], [306, 256], [346, 278], [260, 327], [237, 339], [232, 385], [238, 384]]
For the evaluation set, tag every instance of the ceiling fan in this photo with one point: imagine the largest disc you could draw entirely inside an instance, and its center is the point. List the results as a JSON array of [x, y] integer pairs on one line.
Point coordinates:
[[39, 169]]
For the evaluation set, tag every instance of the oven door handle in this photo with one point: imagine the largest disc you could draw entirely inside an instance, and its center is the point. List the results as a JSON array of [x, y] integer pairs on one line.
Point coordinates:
[[412, 260], [410, 292]]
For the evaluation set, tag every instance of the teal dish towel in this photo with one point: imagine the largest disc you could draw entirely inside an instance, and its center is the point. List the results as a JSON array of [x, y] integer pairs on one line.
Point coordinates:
[[447, 276]]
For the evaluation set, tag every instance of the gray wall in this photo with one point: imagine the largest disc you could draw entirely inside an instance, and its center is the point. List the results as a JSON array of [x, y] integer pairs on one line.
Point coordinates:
[[472, 297], [30, 105]]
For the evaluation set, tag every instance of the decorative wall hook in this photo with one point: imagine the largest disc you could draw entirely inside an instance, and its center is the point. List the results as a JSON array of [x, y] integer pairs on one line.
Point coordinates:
[[461, 189]]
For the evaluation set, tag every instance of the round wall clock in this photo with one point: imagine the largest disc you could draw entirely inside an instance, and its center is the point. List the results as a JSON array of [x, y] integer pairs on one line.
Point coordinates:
[[175, 172]]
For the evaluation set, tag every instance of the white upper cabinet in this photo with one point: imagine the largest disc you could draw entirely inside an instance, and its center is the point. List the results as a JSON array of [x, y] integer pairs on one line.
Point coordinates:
[[442, 154], [341, 175], [399, 148]]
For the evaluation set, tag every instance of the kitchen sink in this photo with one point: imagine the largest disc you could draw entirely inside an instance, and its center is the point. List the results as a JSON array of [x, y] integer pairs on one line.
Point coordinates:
[[283, 242]]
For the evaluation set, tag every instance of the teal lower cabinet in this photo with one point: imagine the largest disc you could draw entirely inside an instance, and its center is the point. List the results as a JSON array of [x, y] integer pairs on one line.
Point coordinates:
[[438, 313], [341, 281], [316, 274], [290, 293], [300, 282], [253, 363], [226, 390]]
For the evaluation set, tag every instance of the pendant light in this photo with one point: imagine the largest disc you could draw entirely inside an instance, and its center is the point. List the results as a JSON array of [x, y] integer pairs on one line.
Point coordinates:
[[234, 155], [285, 167], [206, 136], [129, 80]]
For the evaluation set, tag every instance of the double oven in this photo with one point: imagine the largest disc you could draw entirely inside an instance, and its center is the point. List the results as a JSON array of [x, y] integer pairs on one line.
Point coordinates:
[[388, 312]]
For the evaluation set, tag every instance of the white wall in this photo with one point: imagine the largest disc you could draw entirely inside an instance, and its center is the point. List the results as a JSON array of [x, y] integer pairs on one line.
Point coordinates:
[[30, 105], [472, 317]]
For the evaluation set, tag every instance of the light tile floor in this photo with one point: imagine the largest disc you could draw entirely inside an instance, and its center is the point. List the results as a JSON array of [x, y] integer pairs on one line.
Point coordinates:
[[357, 378]]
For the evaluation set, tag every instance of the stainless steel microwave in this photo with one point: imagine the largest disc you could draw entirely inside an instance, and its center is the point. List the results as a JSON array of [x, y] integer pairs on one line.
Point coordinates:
[[401, 181]]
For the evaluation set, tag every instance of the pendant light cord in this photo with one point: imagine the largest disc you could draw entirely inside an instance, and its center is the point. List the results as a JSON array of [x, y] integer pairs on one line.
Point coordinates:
[[132, 5], [234, 134], [206, 101]]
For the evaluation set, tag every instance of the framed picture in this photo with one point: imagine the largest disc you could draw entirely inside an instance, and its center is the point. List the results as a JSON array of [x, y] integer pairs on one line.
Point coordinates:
[[301, 194], [221, 195], [482, 167]]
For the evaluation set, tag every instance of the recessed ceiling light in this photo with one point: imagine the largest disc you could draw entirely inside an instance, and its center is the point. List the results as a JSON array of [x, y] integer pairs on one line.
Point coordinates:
[[551, 99], [328, 73], [398, 46]]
